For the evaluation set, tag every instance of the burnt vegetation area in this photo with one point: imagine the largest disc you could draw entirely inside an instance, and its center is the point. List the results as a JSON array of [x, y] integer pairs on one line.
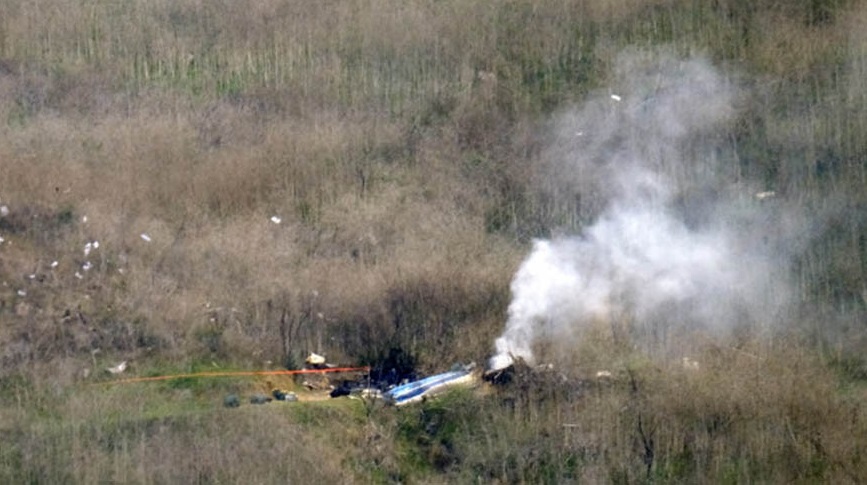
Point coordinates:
[[191, 185]]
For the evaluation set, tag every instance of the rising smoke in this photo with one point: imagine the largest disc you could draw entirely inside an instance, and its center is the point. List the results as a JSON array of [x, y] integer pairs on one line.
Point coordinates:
[[675, 244]]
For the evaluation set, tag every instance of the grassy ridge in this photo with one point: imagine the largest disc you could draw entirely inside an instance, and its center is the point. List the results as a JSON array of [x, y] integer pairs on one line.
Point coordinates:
[[766, 413], [399, 144]]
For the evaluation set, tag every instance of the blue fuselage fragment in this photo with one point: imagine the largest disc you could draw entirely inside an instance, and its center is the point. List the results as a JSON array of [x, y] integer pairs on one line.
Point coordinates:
[[416, 391]]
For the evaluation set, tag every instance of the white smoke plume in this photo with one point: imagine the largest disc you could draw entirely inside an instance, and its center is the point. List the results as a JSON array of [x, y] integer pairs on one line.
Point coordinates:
[[673, 245]]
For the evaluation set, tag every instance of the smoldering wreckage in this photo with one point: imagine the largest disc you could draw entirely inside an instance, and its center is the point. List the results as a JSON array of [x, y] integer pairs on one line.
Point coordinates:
[[401, 387]]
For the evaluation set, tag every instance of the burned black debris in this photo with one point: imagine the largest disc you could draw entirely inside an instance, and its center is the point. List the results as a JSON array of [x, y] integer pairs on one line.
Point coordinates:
[[231, 401], [283, 395], [521, 382], [393, 378], [386, 371], [500, 376]]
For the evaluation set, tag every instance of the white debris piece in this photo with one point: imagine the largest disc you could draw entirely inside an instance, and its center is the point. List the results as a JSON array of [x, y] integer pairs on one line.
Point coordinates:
[[87, 266], [22, 293], [145, 237], [1, 239], [4, 211], [84, 219], [500, 362], [765, 195], [118, 368], [315, 359], [90, 247], [615, 97], [603, 374], [32, 276], [78, 275], [689, 364], [54, 264], [276, 220]]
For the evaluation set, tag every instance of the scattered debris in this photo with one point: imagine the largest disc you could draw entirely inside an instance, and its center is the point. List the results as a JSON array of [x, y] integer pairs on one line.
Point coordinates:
[[369, 393], [1, 239], [615, 97], [90, 247], [54, 264], [689, 364], [231, 401], [766, 195], [84, 219], [283, 395], [430, 386], [78, 275], [276, 220], [118, 369], [503, 369], [603, 374], [499, 362], [344, 389], [22, 293], [87, 266], [145, 237], [260, 399], [4, 210], [357, 390], [379, 385], [315, 359], [319, 382]]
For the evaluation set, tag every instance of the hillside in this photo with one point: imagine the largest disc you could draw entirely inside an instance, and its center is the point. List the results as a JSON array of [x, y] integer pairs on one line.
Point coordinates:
[[187, 184]]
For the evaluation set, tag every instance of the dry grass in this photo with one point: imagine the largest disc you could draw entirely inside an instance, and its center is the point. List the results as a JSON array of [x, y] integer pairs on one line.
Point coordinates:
[[157, 435], [744, 414], [398, 142]]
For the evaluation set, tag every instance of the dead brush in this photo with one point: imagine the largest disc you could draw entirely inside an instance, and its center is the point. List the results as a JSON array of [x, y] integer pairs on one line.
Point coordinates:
[[400, 144]]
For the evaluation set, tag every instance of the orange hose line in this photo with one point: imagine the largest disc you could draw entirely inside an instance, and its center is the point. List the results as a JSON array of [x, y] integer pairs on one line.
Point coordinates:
[[237, 374]]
